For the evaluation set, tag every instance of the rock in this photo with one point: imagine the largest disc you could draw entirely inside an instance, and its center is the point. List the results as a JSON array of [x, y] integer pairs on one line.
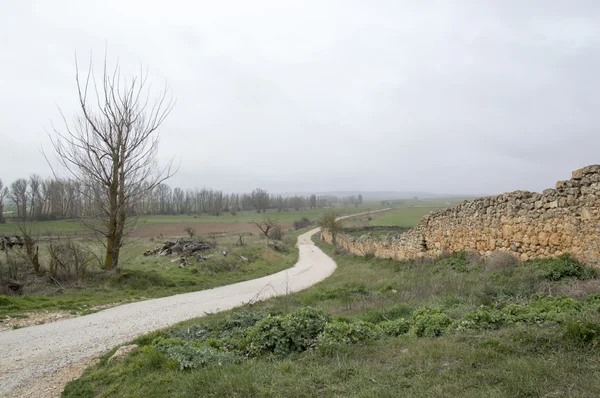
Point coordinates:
[[123, 352]]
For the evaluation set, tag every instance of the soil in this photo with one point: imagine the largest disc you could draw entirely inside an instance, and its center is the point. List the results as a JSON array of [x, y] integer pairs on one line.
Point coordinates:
[[202, 228]]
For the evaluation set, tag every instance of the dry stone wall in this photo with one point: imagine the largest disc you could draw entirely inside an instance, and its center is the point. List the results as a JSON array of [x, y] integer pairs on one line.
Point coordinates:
[[531, 225]]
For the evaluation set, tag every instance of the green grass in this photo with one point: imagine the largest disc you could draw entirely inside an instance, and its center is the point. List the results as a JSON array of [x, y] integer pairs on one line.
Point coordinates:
[[142, 277], [545, 345], [75, 227], [404, 216]]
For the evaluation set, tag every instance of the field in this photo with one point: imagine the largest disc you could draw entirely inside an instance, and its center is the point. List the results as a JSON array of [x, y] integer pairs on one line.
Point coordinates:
[[406, 216], [456, 327], [148, 226]]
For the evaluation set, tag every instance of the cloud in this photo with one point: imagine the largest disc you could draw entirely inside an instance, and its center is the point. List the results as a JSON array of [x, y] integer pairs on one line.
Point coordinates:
[[453, 97]]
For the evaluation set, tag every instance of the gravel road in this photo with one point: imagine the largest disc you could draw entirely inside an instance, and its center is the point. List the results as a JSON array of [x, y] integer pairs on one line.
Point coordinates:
[[35, 361], [31, 353]]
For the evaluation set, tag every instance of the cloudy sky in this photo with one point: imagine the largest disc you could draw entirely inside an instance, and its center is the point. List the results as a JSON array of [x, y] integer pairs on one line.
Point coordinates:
[[441, 96]]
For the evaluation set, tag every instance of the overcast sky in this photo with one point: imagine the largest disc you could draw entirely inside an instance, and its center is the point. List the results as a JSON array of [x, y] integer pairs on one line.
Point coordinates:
[[442, 96]]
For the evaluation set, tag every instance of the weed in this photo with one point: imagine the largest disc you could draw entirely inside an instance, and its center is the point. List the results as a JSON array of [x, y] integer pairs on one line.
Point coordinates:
[[564, 266]]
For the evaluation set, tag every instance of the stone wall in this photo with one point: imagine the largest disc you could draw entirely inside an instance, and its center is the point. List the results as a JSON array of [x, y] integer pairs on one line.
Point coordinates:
[[531, 225]]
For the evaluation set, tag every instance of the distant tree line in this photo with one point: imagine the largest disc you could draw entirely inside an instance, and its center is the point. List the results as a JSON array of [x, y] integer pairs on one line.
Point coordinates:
[[42, 199]]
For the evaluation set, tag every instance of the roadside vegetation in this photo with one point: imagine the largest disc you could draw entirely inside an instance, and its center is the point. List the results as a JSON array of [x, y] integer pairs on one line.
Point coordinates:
[[142, 277], [457, 326]]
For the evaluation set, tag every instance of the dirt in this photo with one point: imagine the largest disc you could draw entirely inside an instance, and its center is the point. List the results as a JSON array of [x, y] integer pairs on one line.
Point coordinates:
[[32, 318], [202, 228], [52, 384], [42, 317]]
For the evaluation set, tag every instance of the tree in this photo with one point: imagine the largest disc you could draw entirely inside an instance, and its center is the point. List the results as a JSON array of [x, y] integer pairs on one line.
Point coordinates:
[[330, 222], [110, 149], [3, 195], [260, 200], [267, 224], [35, 182], [18, 194]]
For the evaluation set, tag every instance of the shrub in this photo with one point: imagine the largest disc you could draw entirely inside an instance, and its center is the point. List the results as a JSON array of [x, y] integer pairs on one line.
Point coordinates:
[[582, 332], [429, 322], [302, 223], [191, 231], [501, 260], [276, 233], [338, 334], [542, 309], [190, 356], [396, 327], [458, 261], [482, 318], [564, 266], [283, 334], [196, 332], [68, 259]]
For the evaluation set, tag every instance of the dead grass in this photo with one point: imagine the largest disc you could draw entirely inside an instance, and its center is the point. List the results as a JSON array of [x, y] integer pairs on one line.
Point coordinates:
[[501, 260]]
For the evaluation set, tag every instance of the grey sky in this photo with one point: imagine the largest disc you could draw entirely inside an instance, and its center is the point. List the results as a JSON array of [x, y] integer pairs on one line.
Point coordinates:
[[440, 96]]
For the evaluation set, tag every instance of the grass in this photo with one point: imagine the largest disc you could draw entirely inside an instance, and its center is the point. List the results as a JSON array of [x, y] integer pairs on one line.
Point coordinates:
[[405, 216], [141, 277], [72, 227], [544, 344]]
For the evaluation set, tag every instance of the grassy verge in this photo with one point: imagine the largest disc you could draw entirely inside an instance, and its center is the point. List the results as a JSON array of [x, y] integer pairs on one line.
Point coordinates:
[[458, 326], [142, 277]]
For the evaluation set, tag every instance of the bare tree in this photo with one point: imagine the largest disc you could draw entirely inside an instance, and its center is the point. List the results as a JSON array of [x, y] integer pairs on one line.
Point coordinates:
[[110, 149], [266, 225], [35, 182], [260, 200], [3, 195], [18, 194]]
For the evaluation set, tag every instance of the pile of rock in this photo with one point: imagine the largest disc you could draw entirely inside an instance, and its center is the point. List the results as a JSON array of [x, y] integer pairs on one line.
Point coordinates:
[[7, 242], [182, 248]]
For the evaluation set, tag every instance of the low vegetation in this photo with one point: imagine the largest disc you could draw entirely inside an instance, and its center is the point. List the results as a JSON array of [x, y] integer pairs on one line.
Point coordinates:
[[457, 326], [71, 280]]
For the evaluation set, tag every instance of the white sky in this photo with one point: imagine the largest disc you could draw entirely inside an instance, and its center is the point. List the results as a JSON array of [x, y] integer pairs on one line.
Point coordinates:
[[439, 96]]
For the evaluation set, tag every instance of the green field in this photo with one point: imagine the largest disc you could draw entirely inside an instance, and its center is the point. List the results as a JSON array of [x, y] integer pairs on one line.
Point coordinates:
[[405, 216], [47, 228], [456, 327]]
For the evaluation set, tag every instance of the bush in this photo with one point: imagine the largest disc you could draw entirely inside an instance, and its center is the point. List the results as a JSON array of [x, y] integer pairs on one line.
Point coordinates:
[[396, 327], [458, 261], [429, 322], [501, 260], [190, 356], [284, 334], [68, 259], [582, 332], [481, 318], [276, 233], [302, 223], [542, 309], [338, 334], [564, 266]]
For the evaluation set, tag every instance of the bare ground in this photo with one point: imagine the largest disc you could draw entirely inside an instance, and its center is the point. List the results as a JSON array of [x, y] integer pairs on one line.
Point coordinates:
[[202, 228]]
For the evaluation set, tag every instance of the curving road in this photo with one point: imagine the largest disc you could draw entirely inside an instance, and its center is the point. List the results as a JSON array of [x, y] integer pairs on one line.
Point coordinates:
[[32, 353]]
